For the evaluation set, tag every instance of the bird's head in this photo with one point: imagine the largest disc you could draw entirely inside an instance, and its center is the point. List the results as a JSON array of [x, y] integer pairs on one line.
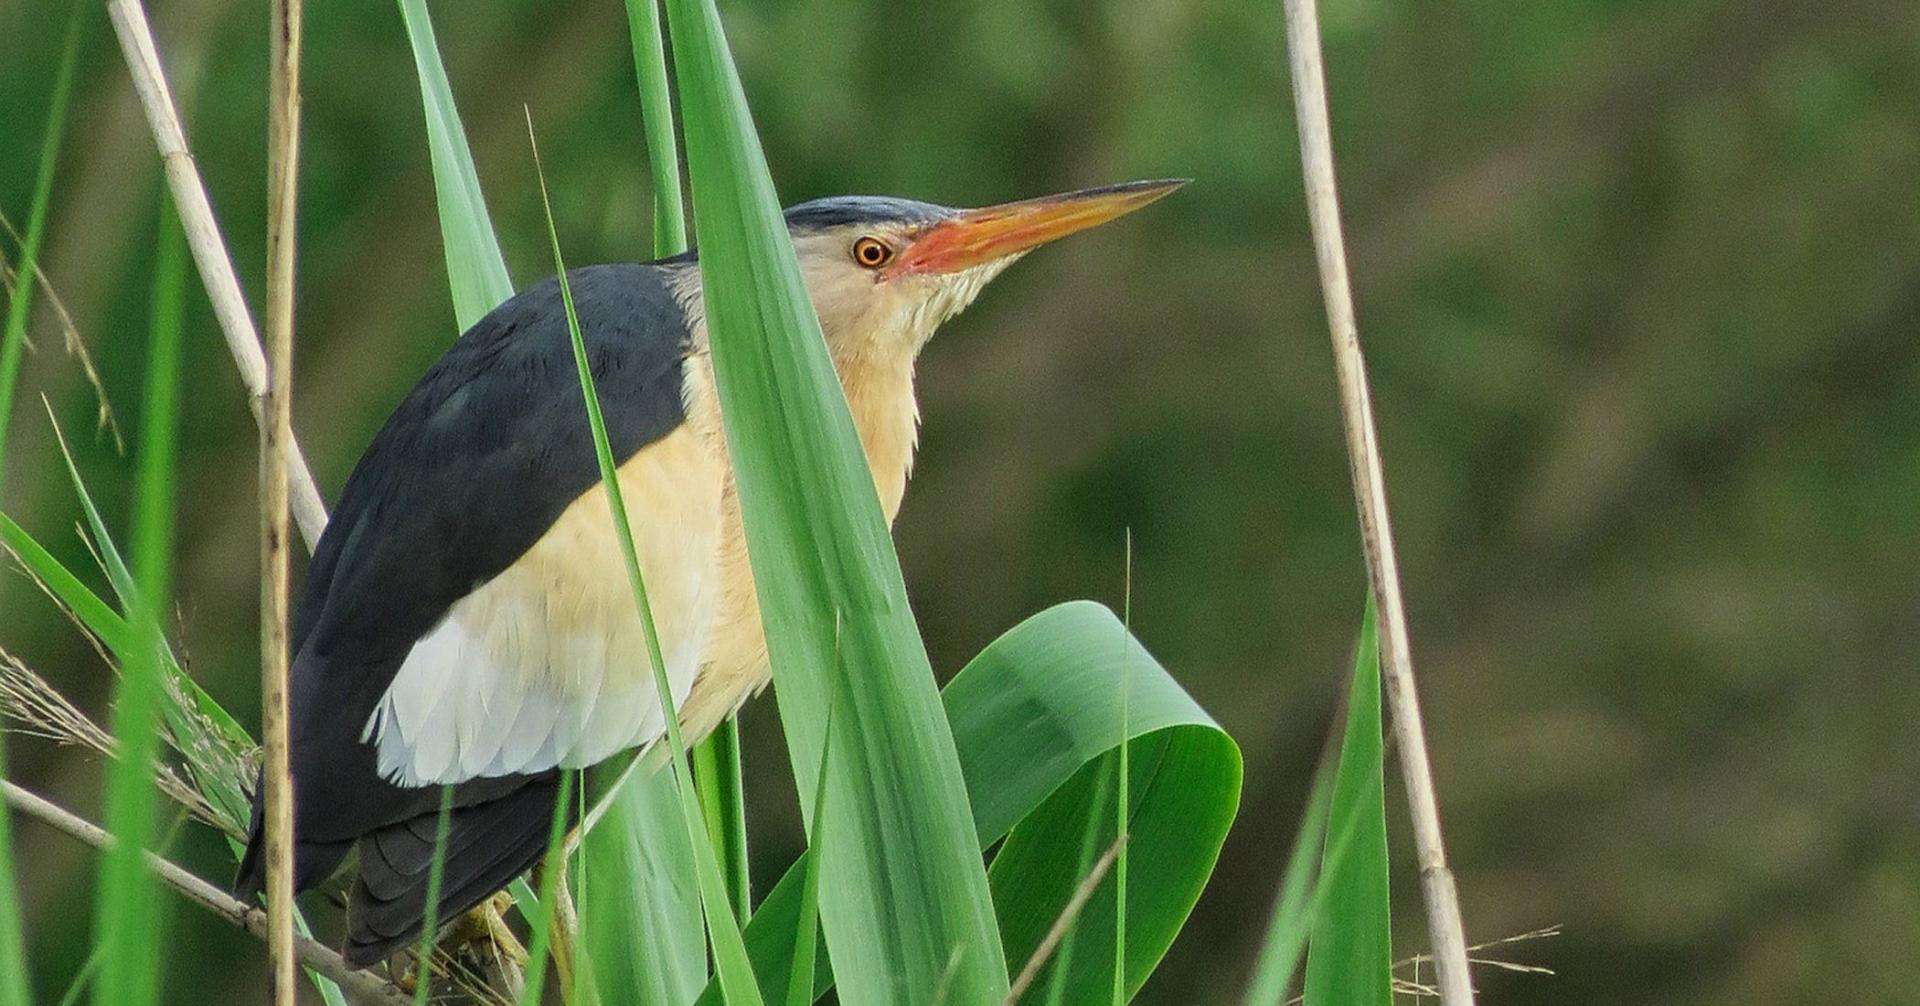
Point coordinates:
[[884, 273]]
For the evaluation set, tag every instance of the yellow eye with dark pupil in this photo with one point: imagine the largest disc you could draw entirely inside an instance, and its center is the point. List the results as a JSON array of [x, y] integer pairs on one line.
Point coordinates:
[[871, 252]]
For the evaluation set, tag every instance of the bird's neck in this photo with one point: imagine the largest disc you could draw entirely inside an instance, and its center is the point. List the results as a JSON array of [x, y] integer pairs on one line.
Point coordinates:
[[885, 412], [879, 390]]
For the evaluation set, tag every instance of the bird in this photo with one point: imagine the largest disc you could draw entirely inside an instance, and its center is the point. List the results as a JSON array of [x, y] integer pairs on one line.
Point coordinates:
[[466, 619]]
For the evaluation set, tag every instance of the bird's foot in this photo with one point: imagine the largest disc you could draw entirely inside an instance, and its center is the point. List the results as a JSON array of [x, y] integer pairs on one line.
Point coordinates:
[[478, 958], [484, 928]]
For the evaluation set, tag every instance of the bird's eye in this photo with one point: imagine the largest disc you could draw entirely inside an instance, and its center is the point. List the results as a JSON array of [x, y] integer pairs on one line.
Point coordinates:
[[871, 252]]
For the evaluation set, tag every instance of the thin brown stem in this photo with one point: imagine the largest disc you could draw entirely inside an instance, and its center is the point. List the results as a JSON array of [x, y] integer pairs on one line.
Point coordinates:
[[1370, 493], [276, 435], [359, 986], [209, 251], [1056, 933]]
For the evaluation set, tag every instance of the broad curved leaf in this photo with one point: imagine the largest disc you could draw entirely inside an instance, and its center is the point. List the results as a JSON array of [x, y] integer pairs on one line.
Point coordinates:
[[1033, 718]]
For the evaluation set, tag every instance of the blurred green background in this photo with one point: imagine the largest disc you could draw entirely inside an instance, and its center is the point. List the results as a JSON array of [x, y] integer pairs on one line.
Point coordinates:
[[1640, 284]]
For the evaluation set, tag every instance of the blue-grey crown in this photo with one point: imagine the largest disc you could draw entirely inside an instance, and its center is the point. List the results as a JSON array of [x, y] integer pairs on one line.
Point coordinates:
[[837, 211]]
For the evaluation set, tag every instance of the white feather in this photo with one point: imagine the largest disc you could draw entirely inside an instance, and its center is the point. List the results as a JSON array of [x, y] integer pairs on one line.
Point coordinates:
[[546, 664]]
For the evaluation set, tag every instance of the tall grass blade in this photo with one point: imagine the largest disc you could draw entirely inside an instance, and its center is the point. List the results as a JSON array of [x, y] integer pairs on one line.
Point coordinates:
[[1122, 820], [723, 931], [83, 978], [716, 760], [119, 577], [13, 338], [94, 613], [904, 896], [1033, 722], [212, 744], [642, 914], [656, 123], [476, 271], [436, 873], [640, 918], [1350, 954], [1294, 909], [643, 910], [128, 921], [14, 987], [806, 932], [718, 772], [543, 917]]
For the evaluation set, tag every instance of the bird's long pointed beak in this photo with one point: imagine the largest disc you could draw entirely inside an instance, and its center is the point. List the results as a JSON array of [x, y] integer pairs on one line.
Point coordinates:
[[973, 237]]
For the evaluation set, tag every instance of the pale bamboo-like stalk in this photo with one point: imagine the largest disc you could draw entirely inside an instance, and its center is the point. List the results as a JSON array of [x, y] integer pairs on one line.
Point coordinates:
[[1370, 493], [209, 251], [359, 986], [216, 274], [211, 258], [276, 434]]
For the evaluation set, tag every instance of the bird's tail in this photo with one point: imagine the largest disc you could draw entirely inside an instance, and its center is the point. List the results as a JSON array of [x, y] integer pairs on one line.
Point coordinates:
[[488, 845], [313, 862]]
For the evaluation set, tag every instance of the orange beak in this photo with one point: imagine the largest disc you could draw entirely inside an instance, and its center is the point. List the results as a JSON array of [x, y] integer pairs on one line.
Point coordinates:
[[973, 237]]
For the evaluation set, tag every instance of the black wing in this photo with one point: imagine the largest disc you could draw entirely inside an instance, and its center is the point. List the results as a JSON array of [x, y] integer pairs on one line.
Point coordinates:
[[486, 451], [474, 466]]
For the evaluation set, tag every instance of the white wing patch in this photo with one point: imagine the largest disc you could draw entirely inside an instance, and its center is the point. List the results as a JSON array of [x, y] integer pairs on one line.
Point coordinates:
[[546, 664]]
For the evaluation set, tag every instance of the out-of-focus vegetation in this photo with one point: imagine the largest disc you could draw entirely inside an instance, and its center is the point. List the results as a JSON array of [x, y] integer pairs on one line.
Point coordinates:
[[1640, 285]]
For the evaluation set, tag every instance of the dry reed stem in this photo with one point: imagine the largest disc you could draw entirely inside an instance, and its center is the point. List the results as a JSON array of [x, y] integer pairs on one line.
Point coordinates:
[[41, 711], [1370, 494], [276, 434], [1418, 989], [209, 251], [359, 986]]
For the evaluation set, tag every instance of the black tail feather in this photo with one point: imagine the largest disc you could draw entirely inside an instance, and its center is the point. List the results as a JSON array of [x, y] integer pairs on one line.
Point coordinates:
[[488, 845], [313, 862]]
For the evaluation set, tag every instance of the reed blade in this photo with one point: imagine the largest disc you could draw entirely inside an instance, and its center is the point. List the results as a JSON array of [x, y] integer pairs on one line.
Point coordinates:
[[1350, 953], [128, 920], [904, 901]]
